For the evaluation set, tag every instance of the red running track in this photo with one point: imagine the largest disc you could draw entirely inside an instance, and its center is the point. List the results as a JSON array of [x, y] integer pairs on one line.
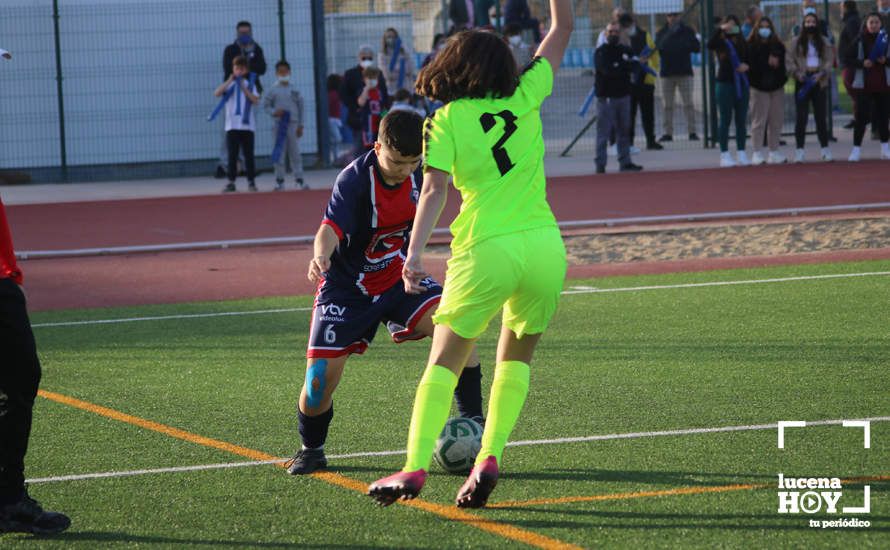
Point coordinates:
[[263, 215]]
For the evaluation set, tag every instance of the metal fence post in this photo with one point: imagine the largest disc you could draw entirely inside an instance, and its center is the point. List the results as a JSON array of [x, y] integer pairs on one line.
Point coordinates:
[[321, 88], [281, 29], [707, 30], [829, 97], [60, 97]]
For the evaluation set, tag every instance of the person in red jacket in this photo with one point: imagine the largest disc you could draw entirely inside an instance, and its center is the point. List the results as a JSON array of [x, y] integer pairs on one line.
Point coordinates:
[[19, 378]]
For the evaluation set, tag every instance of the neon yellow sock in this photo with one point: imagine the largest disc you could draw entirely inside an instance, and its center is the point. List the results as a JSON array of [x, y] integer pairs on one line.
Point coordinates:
[[431, 407], [508, 392]]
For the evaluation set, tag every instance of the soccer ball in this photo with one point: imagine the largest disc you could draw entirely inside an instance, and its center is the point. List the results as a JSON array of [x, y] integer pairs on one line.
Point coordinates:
[[458, 445]]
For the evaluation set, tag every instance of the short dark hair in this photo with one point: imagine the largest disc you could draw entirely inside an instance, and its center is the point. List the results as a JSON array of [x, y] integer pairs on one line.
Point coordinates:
[[403, 131], [243, 24], [334, 81], [401, 95], [850, 6], [282, 63], [240, 61], [473, 64]]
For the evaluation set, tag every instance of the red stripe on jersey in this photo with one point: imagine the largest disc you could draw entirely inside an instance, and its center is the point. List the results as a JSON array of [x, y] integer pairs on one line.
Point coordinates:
[[333, 226]]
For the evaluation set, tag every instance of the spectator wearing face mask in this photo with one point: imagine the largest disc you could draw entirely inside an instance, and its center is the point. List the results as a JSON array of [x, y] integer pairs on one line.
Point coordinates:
[[396, 61], [768, 75], [809, 60], [732, 88], [522, 52], [868, 76], [518, 12], [613, 62], [752, 16], [243, 46], [372, 102], [352, 88], [642, 89]]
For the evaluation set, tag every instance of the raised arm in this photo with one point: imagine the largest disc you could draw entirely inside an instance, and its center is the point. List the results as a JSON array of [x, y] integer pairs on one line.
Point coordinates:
[[562, 22]]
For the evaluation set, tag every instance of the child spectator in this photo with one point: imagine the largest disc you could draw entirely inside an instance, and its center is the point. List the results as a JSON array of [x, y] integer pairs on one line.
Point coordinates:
[[335, 116], [240, 121], [768, 75], [402, 102], [810, 58], [284, 98], [371, 103]]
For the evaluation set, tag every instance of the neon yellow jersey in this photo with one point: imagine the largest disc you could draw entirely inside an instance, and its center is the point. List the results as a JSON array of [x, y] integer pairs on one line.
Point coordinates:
[[494, 149]]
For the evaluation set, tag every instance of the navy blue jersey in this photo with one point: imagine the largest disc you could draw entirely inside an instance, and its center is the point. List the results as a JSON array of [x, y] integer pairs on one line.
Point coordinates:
[[373, 222]]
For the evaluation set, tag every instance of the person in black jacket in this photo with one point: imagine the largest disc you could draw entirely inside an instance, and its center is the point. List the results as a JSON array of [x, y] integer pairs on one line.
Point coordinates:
[[676, 42], [732, 87], [851, 23], [517, 11], [351, 89], [766, 55], [614, 64], [244, 45]]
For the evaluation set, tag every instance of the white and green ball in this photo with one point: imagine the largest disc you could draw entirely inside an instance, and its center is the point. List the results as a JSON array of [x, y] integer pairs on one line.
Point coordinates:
[[458, 445]]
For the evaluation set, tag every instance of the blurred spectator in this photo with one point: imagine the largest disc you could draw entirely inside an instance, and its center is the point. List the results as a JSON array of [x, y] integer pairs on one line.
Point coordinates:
[[752, 16], [244, 45], [397, 65], [809, 59], [884, 11], [371, 101], [766, 54], [335, 121], [811, 7], [676, 42], [283, 98], [353, 87], [613, 69], [868, 76], [402, 101], [438, 43], [518, 12], [240, 96], [482, 12], [623, 37], [642, 90], [851, 24], [462, 14], [522, 52], [732, 88]]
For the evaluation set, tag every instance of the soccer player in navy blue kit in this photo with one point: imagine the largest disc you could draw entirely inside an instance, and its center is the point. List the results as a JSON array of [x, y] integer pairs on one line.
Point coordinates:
[[359, 252]]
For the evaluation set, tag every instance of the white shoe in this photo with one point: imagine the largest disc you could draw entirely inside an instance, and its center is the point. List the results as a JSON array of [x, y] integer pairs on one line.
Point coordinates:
[[855, 154], [757, 159], [742, 158], [885, 151], [613, 150], [826, 154], [798, 155], [776, 158], [726, 160], [634, 150]]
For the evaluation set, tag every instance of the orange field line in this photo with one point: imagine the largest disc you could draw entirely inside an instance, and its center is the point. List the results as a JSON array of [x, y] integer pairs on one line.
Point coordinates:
[[447, 512], [662, 493]]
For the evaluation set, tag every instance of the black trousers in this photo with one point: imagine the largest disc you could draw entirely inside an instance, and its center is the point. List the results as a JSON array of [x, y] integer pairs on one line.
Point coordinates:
[[871, 108], [819, 99], [19, 378], [643, 97], [242, 140]]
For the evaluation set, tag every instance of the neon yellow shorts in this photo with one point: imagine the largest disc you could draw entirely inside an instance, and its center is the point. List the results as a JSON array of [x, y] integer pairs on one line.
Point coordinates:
[[522, 273]]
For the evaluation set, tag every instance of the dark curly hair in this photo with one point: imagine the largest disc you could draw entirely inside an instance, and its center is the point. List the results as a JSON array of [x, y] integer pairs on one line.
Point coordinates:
[[472, 64]]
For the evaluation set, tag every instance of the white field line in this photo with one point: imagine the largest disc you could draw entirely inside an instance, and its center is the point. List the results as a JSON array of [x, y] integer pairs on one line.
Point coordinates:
[[559, 441], [572, 290], [568, 224]]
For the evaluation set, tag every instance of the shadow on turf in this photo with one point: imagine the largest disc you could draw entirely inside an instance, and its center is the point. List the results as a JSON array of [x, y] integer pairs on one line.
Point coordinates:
[[109, 537], [656, 478]]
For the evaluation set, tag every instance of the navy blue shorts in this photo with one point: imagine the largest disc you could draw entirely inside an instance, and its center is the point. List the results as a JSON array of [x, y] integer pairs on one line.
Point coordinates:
[[344, 321]]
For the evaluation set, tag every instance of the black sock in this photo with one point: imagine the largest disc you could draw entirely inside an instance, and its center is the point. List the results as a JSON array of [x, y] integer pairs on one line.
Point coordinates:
[[468, 393], [314, 429]]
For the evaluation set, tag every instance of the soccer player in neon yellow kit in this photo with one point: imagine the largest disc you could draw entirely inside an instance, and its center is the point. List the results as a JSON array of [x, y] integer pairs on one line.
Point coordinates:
[[507, 251]]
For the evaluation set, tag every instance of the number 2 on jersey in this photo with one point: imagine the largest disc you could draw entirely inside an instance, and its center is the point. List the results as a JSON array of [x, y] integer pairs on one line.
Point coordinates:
[[500, 154]]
